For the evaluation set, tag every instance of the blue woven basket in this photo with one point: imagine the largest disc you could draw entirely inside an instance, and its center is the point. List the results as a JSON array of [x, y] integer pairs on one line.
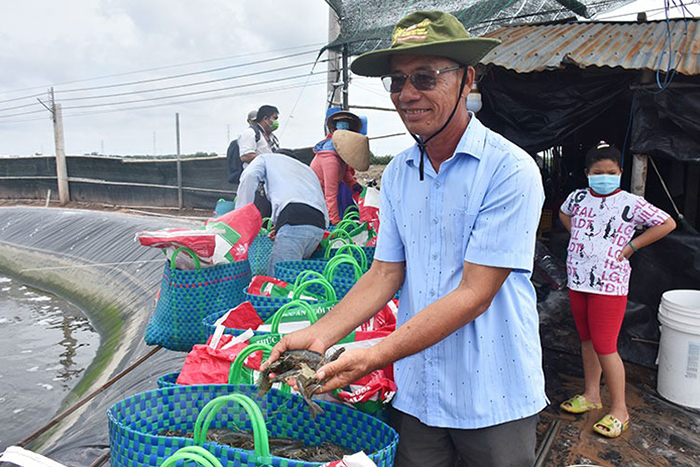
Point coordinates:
[[134, 424], [186, 297], [342, 282], [259, 254], [369, 253]]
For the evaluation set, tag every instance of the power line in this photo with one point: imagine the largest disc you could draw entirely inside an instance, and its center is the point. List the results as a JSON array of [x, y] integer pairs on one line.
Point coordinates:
[[171, 96], [247, 93], [157, 69], [198, 83], [182, 75], [257, 62], [194, 93]]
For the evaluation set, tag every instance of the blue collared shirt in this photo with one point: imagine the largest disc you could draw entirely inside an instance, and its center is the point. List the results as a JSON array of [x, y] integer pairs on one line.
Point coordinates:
[[482, 207], [287, 180]]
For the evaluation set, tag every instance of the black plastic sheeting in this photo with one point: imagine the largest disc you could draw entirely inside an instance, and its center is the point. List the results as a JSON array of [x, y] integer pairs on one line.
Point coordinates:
[[667, 123], [537, 111], [91, 259]]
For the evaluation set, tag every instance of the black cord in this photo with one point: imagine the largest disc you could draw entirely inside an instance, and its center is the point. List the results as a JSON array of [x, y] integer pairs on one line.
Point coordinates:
[[422, 145]]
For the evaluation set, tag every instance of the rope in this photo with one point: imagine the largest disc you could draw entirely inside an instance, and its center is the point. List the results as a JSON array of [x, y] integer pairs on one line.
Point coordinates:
[[92, 265], [663, 184], [86, 399]]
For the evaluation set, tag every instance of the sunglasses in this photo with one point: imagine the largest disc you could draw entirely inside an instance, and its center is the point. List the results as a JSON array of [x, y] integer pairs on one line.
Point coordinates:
[[423, 80]]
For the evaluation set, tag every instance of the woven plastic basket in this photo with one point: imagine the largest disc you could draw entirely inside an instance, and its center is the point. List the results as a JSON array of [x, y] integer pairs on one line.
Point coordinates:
[[135, 424], [186, 297]]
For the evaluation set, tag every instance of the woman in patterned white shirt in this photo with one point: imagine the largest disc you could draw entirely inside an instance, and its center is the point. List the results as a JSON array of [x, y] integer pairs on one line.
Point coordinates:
[[602, 220]]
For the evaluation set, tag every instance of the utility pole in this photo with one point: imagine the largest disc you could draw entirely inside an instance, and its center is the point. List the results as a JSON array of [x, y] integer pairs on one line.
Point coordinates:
[[61, 168], [346, 77], [179, 164], [333, 58]]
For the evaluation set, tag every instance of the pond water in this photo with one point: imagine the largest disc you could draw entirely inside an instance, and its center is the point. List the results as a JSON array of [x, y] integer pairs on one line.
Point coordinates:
[[45, 346]]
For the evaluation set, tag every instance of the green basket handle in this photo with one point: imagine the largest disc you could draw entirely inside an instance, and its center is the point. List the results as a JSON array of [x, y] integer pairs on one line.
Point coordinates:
[[336, 261], [351, 214], [352, 247], [331, 296], [340, 233], [260, 438], [193, 453], [332, 242], [234, 374], [269, 227], [347, 225], [304, 276], [192, 254], [279, 314]]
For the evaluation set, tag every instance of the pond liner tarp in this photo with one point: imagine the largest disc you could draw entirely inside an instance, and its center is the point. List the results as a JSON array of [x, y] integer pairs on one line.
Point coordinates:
[[90, 259]]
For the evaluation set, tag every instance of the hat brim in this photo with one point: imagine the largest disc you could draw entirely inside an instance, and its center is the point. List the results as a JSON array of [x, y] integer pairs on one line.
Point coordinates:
[[466, 51], [355, 125]]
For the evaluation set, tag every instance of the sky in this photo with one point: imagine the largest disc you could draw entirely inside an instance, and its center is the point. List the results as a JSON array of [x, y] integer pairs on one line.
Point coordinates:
[[113, 65]]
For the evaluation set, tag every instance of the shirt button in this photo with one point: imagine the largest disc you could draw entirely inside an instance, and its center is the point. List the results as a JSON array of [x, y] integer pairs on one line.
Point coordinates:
[[435, 255], [437, 184], [432, 292], [435, 221]]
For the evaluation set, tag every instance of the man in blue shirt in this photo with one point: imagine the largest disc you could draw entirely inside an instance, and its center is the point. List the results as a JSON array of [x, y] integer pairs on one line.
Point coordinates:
[[459, 213]]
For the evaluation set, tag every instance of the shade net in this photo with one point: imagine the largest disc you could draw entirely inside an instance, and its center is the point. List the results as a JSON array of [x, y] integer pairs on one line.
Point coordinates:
[[366, 25]]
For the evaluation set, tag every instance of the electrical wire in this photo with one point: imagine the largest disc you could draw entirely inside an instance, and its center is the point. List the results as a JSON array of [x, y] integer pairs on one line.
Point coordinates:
[[247, 93], [182, 75], [198, 83], [257, 62], [194, 93], [171, 96], [156, 69]]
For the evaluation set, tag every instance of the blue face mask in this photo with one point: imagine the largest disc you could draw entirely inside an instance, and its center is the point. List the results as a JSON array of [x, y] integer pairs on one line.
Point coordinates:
[[604, 184]]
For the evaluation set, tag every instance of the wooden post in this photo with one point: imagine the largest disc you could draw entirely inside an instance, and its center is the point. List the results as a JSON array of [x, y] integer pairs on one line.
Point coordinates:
[[179, 163], [61, 168], [639, 174]]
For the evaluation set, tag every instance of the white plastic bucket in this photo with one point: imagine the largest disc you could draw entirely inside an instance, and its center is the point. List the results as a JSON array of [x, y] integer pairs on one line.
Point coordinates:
[[679, 349]]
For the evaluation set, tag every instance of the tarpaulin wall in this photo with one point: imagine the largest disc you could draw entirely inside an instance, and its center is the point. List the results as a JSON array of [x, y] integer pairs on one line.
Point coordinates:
[[118, 181]]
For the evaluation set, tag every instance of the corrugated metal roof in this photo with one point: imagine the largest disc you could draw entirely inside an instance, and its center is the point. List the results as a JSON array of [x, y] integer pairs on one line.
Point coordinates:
[[630, 45]]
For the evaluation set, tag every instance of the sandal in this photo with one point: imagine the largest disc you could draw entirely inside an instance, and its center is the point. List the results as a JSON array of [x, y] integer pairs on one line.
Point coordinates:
[[579, 404], [610, 426]]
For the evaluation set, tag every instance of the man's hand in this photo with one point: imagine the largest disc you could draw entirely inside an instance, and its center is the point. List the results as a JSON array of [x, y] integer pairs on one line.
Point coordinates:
[[303, 339], [351, 365], [272, 234]]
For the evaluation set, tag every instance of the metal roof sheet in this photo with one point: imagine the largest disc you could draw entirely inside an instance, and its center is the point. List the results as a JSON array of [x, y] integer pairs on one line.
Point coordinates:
[[630, 45]]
